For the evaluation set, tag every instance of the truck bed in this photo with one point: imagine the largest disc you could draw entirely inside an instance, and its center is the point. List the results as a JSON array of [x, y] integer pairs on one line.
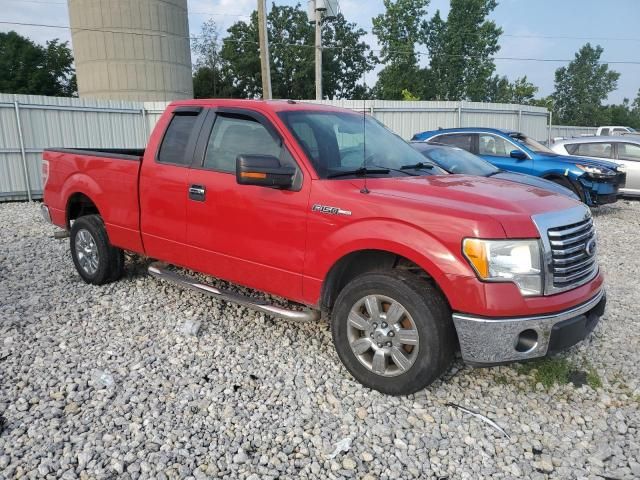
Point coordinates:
[[109, 177]]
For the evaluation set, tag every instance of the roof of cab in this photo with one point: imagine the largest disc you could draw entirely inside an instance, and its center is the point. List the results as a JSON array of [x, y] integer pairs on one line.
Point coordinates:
[[264, 105]]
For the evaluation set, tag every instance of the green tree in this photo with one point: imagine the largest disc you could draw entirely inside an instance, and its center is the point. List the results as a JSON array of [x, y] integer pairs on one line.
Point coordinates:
[[209, 78], [346, 58], [29, 68], [461, 50], [582, 86], [521, 91], [398, 31]]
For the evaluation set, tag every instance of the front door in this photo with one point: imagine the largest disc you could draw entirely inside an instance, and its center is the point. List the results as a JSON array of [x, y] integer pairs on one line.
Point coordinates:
[[246, 234], [497, 151]]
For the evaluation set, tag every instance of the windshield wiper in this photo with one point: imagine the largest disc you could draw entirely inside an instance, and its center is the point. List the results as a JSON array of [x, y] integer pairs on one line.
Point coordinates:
[[418, 166], [359, 172]]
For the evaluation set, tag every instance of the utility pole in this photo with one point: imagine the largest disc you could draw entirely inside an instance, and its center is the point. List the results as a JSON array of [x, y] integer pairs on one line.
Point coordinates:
[[264, 50], [319, 13]]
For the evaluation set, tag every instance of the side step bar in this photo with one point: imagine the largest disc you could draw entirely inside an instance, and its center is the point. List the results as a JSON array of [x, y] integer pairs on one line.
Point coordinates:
[[159, 270]]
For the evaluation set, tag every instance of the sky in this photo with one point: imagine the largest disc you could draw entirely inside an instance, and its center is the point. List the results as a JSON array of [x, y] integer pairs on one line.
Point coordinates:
[[542, 29]]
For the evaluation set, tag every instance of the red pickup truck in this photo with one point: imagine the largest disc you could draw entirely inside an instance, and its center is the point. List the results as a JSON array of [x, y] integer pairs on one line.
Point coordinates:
[[331, 210]]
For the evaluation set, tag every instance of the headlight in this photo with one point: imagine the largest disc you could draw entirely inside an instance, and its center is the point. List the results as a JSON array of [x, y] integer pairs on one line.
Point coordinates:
[[516, 261], [597, 171]]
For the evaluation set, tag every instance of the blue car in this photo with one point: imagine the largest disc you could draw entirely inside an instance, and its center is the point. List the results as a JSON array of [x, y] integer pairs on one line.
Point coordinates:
[[596, 182], [457, 161]]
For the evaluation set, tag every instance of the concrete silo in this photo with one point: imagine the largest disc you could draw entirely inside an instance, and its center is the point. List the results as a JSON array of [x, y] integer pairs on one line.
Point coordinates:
[[132, 49]]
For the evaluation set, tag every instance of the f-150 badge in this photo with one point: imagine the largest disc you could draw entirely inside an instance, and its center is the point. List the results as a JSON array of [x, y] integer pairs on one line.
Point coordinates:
[[329, 210]]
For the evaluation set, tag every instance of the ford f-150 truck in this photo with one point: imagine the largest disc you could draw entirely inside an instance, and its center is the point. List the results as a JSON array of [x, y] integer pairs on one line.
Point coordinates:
[[329, 209]]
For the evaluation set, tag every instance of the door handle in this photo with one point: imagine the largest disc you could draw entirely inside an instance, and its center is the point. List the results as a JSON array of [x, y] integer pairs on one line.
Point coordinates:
[[197, 193]]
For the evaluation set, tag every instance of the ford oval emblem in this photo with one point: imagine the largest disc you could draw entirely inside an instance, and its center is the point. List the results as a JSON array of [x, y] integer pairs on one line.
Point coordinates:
[[590, 247]]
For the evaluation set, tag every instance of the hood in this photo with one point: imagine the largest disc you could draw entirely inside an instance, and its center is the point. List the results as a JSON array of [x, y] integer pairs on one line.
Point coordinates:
[[535, 182], [591, 162], [511, 204]]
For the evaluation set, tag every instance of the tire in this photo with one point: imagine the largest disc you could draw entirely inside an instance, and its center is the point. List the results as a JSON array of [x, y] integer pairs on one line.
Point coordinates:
[[96, 260], [426, 314]]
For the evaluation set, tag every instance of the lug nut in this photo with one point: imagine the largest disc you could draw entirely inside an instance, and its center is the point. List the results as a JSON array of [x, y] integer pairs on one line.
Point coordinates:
[[380, 345], [371, 334], [391, 334], [384, 325], [388, 344], [375, 325]]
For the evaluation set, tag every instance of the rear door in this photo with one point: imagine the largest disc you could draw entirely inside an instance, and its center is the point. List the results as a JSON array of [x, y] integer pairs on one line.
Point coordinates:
[[163, 186], [629, 155], [246, 234], [497, 150]]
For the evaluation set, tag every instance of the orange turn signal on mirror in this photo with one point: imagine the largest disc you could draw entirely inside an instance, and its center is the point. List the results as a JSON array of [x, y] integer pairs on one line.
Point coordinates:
[[253, 175], [476, 252]]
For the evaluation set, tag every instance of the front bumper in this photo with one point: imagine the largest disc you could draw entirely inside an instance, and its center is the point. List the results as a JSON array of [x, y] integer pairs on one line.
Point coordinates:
[[603, 190], [490, 341]]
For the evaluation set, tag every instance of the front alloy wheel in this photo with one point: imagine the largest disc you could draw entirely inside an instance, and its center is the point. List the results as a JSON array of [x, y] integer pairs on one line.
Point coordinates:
[[383, 336], [393, 331]]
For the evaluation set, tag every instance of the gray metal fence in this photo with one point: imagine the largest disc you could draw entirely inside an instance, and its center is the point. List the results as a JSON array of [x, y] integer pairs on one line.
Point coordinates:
[[566, 131], [29, 124]]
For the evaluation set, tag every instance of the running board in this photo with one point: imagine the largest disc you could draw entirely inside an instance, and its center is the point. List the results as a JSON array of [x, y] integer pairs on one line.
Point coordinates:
[[159, 270]]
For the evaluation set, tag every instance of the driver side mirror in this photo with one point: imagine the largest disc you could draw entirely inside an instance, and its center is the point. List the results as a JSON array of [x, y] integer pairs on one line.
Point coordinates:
[[264, 171], [518, 154]]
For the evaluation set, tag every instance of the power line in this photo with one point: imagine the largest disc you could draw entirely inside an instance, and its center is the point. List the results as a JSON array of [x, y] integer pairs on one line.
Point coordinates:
[[296, 45]]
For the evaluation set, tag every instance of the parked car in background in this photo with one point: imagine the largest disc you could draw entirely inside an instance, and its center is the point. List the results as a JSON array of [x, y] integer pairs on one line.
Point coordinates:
[[458, 161], [605, 131], [596, 182], [623, 149]]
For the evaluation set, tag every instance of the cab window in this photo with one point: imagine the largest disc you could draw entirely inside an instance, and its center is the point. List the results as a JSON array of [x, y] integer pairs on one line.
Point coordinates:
[[234, 135], [175, 141]]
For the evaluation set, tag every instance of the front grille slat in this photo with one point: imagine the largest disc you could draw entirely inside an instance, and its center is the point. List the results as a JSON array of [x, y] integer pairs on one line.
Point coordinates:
[[573, 239], [572, 230], [571, 264], [576, 266]]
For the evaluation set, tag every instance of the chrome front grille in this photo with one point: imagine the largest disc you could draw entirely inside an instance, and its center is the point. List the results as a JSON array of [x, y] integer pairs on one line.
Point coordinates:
[[569, 244], [573, 254]]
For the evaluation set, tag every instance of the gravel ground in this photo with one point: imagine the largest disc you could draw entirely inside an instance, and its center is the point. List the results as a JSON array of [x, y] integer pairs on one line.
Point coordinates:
[[104, 382]]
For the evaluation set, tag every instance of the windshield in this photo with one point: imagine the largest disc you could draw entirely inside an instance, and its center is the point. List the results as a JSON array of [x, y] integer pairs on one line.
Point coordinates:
[[456, 160], [338, 142], [531, 143]]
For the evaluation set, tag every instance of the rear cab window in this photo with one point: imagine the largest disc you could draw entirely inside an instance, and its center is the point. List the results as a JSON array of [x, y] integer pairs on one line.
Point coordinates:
[[179, 136]]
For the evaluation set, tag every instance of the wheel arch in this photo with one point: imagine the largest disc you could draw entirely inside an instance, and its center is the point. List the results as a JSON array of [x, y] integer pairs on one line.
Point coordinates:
[[357, 262], [78, 205]]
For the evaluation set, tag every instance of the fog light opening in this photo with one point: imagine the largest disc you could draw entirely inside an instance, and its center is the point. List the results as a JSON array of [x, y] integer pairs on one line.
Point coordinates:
[[527, 341]]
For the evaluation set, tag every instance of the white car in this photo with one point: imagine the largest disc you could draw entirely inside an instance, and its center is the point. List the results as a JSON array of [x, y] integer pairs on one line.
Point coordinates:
[[624, 150]]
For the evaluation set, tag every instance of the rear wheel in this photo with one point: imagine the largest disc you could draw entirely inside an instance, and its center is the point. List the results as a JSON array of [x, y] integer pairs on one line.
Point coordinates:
[[97, 261], [393, 332]]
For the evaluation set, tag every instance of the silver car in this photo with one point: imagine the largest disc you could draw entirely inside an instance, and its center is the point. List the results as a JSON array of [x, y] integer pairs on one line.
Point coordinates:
[[622, 149]]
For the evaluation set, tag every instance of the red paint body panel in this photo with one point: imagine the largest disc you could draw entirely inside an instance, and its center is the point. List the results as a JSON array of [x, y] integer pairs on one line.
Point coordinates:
[[271, 240]]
